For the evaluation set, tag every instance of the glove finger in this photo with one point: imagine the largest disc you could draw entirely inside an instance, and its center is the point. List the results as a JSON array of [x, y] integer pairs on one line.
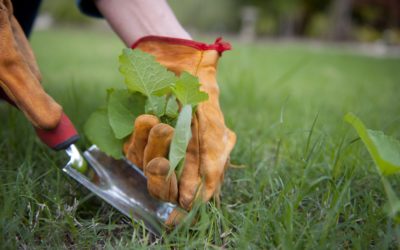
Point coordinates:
[[190, 180], [175, 217], [217, 191], [158, 184], [158, 143], [134, 147], [20, 84]]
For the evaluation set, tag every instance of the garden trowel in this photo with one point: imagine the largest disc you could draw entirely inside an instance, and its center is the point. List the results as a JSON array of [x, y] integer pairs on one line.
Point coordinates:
[[118, 182]]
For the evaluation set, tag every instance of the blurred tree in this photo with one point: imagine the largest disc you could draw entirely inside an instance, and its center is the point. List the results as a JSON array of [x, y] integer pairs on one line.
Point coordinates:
[[381, 14], [289, 16], [249, 16], [207, 15], [377, 19], [292, 16], [340, 20], [315, 18], [287, 13]]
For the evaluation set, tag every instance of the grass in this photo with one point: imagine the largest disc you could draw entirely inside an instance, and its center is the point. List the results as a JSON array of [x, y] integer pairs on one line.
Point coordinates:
[[304, 180]]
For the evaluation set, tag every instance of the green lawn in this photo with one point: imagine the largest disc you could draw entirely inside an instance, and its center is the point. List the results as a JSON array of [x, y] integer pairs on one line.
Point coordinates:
[[303, 181]]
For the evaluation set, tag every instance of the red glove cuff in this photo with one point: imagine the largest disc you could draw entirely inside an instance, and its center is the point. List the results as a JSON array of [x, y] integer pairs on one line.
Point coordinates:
[[219, 45]]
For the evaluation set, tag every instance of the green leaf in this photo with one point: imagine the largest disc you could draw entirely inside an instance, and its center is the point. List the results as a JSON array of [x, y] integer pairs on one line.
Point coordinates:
[[187, 90], [181, 138], [143, 74], [155, 105], [172, 108], [99, 132], [385, 150], [123, 108], [167, 120]]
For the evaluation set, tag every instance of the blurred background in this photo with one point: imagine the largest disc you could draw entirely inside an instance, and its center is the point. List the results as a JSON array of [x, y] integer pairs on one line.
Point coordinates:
[[365, 21]]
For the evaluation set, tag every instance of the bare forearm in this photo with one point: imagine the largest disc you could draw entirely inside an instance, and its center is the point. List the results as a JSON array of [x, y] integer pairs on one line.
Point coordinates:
[[133, 19]]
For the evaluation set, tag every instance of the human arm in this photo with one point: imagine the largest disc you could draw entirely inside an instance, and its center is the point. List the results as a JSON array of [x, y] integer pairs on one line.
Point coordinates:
[[134, 19]]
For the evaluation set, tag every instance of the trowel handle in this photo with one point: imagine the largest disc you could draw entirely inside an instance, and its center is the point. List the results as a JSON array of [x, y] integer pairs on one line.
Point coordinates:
[[61, 136], [58, 138]]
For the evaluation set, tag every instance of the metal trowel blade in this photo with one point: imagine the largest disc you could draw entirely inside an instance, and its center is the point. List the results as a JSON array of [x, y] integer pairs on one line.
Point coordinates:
[[122, 185]]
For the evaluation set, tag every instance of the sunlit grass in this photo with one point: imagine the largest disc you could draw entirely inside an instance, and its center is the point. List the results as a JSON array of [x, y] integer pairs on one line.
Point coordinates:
[[303, 181]]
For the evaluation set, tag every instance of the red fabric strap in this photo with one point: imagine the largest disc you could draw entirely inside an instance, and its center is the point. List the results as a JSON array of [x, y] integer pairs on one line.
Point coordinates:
[[219, 45], [58, 138], [61, 136]]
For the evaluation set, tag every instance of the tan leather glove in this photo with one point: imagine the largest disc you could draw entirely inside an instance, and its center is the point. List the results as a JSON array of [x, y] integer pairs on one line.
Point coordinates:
[[208, 151], [19, 73]]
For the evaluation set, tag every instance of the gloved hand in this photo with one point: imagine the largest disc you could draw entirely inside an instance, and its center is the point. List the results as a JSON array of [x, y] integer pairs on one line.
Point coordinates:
[[19, 73], [208, 151]]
